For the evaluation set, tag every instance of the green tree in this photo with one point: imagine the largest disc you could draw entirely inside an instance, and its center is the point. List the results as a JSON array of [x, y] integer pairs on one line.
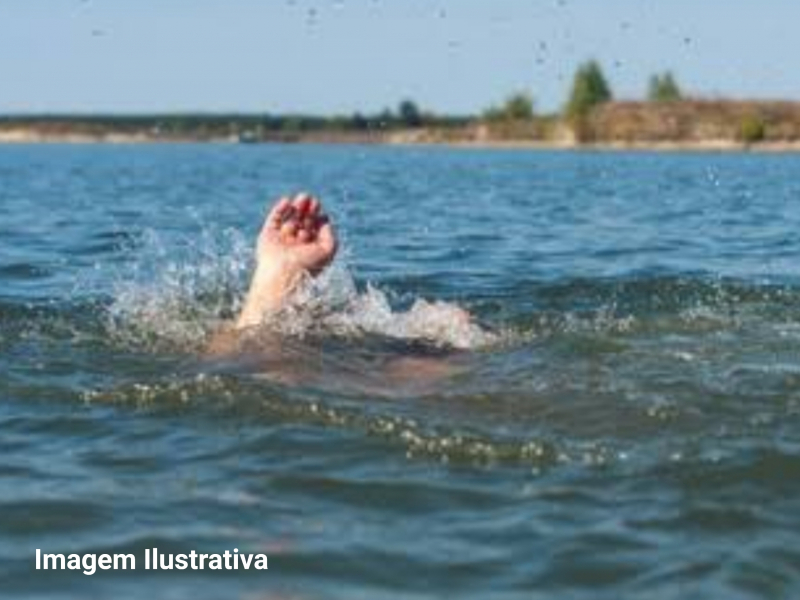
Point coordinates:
[[752, 129], [409, 114], [663, 88], [589, 88], [517, 107], [358, 122], [385, 119], [292, 124]]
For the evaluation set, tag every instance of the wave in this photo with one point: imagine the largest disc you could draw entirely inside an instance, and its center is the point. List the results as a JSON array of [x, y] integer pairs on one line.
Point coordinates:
[[605, 358]]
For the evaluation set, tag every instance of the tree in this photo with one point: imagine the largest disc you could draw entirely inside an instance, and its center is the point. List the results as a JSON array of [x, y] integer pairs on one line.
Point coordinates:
[[663, 88], [358, 122], [517, 107], [589, 88], [385, 119], [292, 124], [409, 114], [752, 129]]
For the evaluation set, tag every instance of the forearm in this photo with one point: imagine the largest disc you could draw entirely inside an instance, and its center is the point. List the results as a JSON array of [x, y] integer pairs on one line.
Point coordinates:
[[272, 284], [269, 290]]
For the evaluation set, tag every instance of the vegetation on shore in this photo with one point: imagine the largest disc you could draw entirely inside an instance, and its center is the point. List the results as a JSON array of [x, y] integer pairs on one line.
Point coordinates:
[[590, 115], [218, 126]]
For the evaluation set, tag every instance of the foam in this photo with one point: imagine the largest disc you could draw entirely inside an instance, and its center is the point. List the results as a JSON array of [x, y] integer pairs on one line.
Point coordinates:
[[173, 297]]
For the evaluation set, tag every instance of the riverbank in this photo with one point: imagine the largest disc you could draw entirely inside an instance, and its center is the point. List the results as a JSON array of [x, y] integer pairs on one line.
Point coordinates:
[[691, 125], [32, 137]]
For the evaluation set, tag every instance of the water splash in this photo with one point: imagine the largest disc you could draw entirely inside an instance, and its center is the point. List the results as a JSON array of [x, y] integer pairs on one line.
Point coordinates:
[[174, 296], [333, 304]]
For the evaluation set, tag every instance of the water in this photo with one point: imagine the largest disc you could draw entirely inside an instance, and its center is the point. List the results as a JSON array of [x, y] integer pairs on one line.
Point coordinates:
[[624, 423]]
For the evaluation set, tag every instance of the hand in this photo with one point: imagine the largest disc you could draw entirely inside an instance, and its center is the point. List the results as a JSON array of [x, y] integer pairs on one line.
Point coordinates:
[[297, 238], [297, 235]]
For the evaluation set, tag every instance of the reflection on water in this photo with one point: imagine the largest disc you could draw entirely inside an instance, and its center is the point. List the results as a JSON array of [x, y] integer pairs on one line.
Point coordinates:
[[619, 418]]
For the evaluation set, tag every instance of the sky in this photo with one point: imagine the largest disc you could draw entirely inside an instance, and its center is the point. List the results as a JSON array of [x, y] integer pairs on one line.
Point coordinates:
[[342, 56]]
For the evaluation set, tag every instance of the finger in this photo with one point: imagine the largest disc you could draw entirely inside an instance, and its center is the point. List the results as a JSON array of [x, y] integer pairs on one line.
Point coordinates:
[[320, 221], [310, 224], [288, 230], [303, 236], [326, 238], [314, 207], [302, 202], [279, 213]]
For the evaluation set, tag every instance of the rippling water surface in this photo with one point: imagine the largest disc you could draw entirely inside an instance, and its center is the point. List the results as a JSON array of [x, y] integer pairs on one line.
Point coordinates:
[[624, 421]]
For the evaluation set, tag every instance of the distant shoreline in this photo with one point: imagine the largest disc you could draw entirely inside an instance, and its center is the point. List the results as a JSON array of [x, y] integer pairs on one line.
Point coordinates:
[[679, 126], [710, 146], [21, 137]]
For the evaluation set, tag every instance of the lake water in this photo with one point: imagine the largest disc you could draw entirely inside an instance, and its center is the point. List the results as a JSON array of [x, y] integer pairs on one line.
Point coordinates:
[[623, 423]]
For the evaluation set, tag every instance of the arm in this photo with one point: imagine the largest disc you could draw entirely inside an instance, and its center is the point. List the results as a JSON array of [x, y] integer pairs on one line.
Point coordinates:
[[296, 241], [270, 287]]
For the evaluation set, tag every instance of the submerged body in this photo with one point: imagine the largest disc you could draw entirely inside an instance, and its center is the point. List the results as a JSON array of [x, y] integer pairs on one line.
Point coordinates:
[[296, 243]]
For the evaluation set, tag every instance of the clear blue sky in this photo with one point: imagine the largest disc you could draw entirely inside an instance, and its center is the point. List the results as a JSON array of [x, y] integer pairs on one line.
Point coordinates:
[[329, 56]]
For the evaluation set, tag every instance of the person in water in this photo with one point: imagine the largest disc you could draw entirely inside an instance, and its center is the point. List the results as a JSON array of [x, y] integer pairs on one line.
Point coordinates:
[[297, 242]]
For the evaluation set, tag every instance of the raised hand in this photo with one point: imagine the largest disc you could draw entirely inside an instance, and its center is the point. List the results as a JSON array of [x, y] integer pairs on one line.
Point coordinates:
[[297, 238], [297, 235]]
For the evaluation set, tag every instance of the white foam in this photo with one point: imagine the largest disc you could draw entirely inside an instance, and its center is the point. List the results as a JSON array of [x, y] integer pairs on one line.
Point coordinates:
[[173, 298]]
